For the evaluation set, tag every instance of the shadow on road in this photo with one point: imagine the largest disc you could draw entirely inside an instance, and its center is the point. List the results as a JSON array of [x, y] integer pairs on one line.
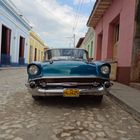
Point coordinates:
[[82, 101]]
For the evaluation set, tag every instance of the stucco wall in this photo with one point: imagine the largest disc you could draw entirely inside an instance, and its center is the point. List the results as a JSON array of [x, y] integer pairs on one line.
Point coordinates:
[[36, 42], [17, 29], [135, 69], [125, 9], [86, 44]]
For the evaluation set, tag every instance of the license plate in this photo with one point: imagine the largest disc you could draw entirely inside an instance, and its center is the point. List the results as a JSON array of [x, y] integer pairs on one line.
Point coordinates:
[[71, 93]]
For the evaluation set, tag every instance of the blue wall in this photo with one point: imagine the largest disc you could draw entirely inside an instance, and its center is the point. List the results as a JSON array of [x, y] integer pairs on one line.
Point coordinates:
[[10, 18]]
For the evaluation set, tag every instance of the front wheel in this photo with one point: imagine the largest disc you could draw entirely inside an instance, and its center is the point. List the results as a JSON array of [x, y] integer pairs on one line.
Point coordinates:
[[36, 98], [98, 99]]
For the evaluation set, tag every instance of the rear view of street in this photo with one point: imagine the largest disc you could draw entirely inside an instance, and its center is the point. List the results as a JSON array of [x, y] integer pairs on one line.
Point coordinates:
[[57, 118]]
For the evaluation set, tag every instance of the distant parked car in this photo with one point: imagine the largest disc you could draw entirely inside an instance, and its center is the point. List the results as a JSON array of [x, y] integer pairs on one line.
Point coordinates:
[[68, 73]]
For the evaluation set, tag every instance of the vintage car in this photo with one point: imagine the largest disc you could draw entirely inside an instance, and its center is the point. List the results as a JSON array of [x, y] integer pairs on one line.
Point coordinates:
[[68, 73]]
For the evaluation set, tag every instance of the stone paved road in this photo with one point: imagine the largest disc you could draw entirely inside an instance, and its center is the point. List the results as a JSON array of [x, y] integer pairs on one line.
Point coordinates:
[[54, 118]]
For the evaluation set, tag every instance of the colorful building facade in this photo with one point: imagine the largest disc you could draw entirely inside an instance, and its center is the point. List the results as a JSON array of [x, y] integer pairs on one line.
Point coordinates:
[[14, 35], [89, 42], [37, 48], [117, 28]]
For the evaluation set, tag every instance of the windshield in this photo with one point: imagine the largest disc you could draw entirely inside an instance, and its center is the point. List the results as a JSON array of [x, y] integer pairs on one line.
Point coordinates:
[[66, 54]]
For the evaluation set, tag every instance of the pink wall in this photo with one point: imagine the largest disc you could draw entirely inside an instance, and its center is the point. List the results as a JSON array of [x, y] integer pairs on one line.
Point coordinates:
[[126, 11]]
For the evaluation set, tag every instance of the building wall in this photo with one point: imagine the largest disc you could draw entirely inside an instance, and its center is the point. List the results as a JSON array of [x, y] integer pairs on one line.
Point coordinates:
[[89, 42], [38, 44], [135, 69], [124, 12], [18, 28]]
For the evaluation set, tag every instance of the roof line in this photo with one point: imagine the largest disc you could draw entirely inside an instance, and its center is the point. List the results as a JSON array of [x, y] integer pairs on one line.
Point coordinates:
[[92, 12]]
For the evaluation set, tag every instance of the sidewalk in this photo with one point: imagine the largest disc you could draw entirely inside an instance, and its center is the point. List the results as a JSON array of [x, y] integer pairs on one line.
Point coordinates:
[[127, 97]]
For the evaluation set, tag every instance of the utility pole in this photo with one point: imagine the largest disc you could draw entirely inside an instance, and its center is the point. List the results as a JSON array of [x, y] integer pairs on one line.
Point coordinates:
[[74, 40]]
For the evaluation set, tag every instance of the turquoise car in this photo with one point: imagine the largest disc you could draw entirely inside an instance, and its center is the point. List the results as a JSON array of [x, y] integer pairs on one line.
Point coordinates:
[[68, 73]]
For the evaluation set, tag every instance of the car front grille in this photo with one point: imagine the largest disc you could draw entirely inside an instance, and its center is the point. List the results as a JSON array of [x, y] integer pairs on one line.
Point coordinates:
[[83, 79], [71, 82], [63, 87]]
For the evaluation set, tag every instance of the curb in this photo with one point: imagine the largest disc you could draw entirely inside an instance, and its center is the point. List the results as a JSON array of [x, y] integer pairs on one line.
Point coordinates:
[[135, 114]]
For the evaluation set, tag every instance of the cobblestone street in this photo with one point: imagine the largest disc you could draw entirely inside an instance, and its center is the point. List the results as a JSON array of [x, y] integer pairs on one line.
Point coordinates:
[[22, 118]]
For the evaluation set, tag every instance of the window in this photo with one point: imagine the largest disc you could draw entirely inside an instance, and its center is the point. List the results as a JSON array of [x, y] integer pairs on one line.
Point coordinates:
[[116, 40], [66, 54], [116, 33], [91, 49], [35, 57]]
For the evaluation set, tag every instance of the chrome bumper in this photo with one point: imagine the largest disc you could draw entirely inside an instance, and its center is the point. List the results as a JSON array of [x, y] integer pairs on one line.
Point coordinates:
[[59, 92]]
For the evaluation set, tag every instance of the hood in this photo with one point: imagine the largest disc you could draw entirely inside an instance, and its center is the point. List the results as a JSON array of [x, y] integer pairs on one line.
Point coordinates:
[[68, 68]]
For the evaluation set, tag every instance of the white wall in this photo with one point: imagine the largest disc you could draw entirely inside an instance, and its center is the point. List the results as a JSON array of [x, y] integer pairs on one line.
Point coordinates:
[[17, 30]]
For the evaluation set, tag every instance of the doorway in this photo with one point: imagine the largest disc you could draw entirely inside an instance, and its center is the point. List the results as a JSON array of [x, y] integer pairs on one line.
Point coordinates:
[[116, 40], [5, 45], [99, 46], [21, 50], [35, 56]]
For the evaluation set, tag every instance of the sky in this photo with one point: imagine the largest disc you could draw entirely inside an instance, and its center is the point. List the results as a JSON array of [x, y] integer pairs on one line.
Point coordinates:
[[56, 21]]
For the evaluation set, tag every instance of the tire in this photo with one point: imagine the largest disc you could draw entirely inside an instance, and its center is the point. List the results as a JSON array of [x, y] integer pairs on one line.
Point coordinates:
[[36, 98], [98, 99]]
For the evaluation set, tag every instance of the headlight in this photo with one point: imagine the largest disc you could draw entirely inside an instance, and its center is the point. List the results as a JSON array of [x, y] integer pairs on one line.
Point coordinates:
[[105, 69], [33, 70]]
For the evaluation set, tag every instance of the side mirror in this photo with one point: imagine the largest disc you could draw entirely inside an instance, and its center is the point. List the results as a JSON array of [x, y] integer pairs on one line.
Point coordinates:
[[90, 59]]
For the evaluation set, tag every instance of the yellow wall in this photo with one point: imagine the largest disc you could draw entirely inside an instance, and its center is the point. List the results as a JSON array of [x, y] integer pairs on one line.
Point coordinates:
[[38, 44]]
